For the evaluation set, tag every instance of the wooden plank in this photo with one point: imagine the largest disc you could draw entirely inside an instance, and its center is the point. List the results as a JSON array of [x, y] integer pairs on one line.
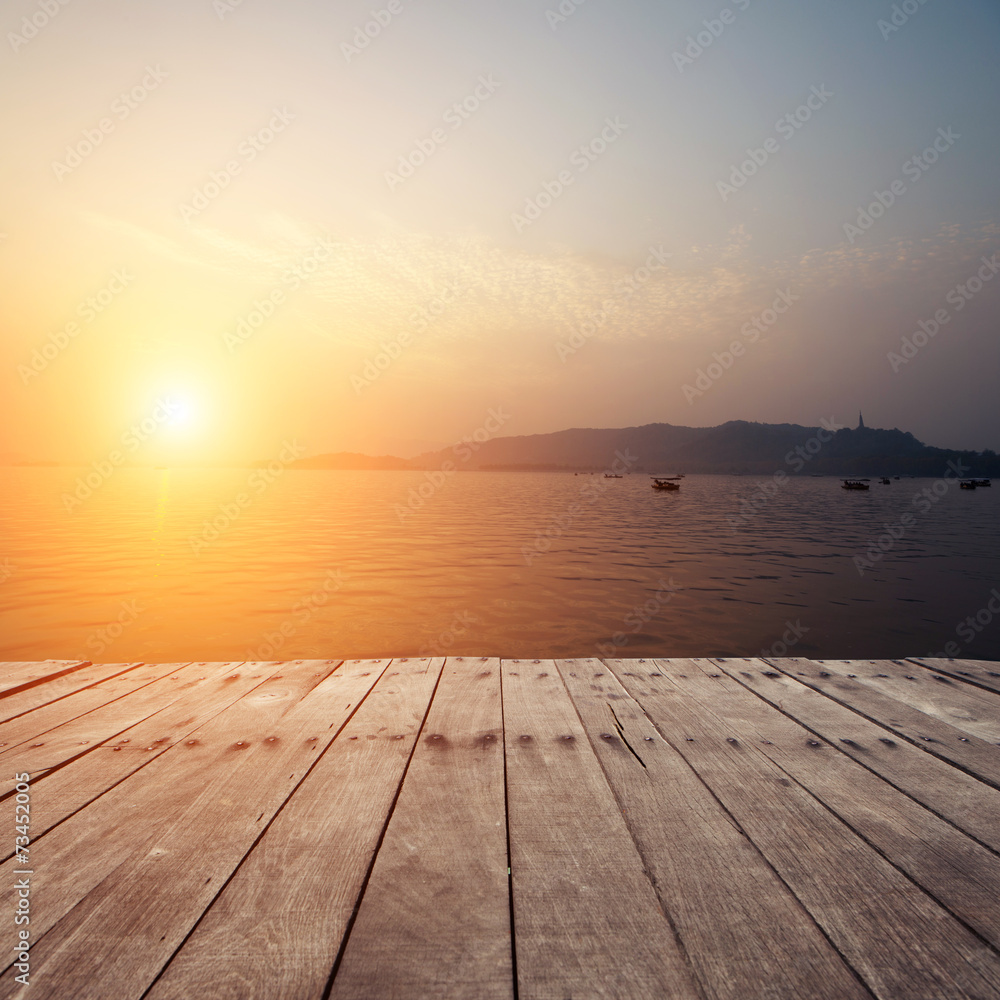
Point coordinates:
[[39, 753], [446, 841], [55, 690], [970, 709], [275, 930], [64, 791], [976, 756], [23, 737], [113, 942], [959, 873], [587, 922], [982, 673], [961, 799], [85, 848], [898, 939], [15, 676], [709, 877]]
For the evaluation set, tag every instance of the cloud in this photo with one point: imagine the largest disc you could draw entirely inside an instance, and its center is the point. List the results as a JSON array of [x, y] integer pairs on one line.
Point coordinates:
[[467, 289]]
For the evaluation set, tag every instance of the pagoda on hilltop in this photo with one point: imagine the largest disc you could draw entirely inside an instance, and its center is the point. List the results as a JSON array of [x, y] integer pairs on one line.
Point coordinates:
[[861, 421]]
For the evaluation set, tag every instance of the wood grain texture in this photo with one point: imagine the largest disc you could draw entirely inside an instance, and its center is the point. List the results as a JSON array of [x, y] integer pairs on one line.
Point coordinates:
[[720, 829], [113, 942], [975, 712], [981, 673], [210, 689], [959, 873], [956, 746], [135, 695], [446, 841], [25, 673], [960, 798], [587, 921], [66, 695], [897, 938], [275, 930], [121, 823], [708, 875]]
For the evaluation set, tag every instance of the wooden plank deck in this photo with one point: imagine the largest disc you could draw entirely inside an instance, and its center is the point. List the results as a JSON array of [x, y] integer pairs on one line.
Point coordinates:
[[478, 829]]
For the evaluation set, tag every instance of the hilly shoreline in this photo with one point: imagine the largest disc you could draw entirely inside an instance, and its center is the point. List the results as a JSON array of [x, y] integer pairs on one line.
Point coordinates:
[[735, 447]]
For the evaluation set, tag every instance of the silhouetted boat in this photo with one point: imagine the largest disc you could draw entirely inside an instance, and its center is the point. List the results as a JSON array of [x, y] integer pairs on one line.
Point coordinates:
[[968, 484], [982, 482], [885, 481], [664, 484], [608, 475], [854, 484]]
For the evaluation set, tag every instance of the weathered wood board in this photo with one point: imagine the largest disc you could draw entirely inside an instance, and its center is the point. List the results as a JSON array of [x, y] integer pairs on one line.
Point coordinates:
[[478, 829]]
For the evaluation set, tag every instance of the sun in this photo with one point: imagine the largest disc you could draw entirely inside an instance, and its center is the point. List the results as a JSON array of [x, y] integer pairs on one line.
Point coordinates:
[[182, 412]]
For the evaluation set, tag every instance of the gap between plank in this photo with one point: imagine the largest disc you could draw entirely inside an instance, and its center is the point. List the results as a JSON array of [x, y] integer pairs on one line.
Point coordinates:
[[506, 817], [647, 869], [146, 762], [778, 708], [267, 826], [885, 857], [926, 747], [749, 840], [378, 846]]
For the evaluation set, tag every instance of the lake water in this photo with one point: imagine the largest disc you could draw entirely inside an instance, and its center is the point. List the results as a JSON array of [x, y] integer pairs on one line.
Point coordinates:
[[230, 564]]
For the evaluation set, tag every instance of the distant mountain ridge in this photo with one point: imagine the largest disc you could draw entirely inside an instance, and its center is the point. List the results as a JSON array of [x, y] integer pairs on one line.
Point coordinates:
[[738, 446]]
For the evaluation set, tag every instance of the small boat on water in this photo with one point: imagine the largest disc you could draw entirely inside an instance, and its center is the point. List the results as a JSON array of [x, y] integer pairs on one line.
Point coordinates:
[[885, 481], [982, 482], [609, 475], [968, 484], [664, 484], [854, 484]]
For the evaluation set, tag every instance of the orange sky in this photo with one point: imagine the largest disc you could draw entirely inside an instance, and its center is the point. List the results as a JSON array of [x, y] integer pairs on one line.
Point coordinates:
[[367, 248]]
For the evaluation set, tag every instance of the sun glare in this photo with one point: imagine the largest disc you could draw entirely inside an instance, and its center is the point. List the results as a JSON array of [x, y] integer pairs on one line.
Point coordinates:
[[182, 412]]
